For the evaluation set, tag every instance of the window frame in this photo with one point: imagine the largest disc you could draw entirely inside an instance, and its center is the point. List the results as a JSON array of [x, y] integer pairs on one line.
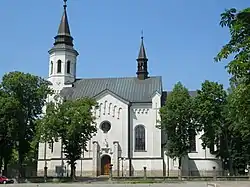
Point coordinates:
[[59, 66], [192, 141], [140, 138], [68, 67], [102, 126], [51, 67]]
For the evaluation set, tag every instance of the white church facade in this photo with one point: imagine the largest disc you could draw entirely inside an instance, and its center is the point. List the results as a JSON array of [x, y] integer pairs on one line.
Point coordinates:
[[127, 135]]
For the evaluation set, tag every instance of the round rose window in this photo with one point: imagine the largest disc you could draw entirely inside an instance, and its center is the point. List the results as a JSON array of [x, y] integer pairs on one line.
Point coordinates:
[[105, 126]]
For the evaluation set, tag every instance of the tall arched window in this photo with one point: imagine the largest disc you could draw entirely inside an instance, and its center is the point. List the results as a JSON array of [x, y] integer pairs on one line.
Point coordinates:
[[192, 140], [59, 66], [139, 138], [51, 67], [68, 66]]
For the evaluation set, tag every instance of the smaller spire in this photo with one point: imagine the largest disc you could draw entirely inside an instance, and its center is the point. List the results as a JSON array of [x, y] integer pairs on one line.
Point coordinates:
[[142, 65], [142, 52]]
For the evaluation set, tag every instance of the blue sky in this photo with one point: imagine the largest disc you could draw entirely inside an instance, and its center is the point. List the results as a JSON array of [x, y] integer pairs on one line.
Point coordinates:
[[181, 37]]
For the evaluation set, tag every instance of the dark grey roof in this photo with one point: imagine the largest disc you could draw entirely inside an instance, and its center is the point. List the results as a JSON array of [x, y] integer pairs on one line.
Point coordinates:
[[165, 93], [128, 88], [64, 24], [191, 93]]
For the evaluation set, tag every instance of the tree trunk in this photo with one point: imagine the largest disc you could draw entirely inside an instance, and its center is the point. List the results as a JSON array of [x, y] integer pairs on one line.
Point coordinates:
[[230, 164], [228, 148], [72, 172], [6, 160], [180, 170], [1, 164], [20, 164], [5, 169]]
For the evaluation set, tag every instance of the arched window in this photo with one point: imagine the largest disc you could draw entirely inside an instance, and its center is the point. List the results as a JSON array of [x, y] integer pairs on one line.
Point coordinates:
[[59, 66], [51, 67], [68, 66], [139, 138], [192, 140]]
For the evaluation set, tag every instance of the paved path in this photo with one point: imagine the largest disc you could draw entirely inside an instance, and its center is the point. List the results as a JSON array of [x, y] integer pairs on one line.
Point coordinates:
[[183, 184]]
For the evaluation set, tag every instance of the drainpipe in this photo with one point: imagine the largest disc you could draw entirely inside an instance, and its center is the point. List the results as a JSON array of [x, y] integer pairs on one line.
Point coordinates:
[[168, 164], [62, 163], [45, 162], [129, 141]]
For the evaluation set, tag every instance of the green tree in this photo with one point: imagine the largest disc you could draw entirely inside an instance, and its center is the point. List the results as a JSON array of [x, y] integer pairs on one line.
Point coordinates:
[[28, 94], [238, 23], [72, 122], [8, 108], [239, 108], [213, 120], [176, 122]]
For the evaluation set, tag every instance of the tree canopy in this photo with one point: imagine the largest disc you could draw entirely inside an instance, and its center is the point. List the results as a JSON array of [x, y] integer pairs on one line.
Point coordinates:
[[209, 104], [177, 123], [213, 120], [22, 97], [73, 123], [238, 23]]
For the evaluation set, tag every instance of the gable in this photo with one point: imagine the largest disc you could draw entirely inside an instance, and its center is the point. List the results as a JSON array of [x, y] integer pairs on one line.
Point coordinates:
[[106, 93]]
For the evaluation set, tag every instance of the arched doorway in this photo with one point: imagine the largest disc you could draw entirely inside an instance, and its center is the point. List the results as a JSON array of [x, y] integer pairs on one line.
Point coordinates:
[[105, 162]]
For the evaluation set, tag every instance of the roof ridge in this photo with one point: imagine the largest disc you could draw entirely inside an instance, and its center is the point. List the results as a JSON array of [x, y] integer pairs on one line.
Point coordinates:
[[98, 78]]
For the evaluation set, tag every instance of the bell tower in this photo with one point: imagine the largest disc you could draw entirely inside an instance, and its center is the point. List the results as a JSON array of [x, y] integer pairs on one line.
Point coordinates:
[[62, 56], [142, 62]]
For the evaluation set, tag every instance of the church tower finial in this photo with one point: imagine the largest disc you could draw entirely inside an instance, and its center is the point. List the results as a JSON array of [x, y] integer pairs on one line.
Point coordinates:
[[65, 4], [142, 34], [63, 34], [142, 61]]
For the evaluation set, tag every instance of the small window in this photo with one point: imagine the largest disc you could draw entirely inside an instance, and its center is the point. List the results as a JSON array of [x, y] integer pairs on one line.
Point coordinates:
[[59, 66], [139, 138], [68, 66], [105, 126], [51, 67]]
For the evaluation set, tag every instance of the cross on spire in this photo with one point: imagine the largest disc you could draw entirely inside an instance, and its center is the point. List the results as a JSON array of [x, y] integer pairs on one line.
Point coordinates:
[[65, 4]]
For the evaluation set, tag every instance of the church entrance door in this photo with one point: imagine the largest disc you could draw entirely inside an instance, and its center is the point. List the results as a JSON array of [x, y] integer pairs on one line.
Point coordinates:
[[105, 163]]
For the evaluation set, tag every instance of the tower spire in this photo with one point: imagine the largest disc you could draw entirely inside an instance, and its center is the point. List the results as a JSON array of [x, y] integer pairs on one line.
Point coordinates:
[[63, 34], [142, 52], [142, 65], [62, 56]]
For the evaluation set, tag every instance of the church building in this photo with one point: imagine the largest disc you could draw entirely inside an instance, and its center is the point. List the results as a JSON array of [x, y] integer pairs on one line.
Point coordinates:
[[127, 136]]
